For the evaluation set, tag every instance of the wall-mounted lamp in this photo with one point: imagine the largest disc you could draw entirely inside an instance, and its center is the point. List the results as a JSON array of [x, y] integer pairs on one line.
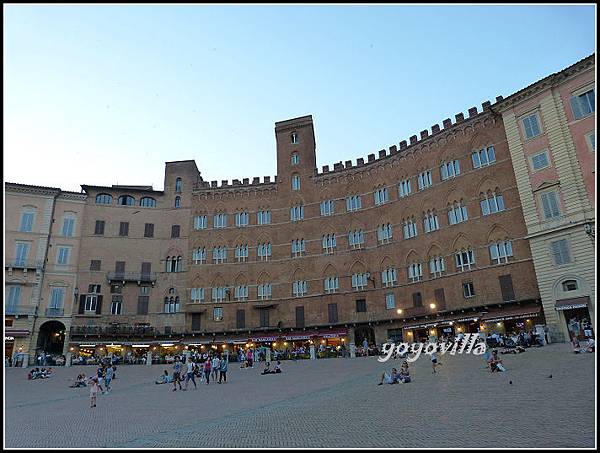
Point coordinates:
[[589, 230]]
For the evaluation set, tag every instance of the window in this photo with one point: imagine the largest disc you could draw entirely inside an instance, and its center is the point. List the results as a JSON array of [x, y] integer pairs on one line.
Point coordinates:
[[381, 196], [506, 287], [241, 253], [390, 301], [298, 248], [99, 228], [263, 314], [68, 226], [124, 229], [116, 288], [360, 281], [171, 304], [297, 213], [424, 180], [126, 200], [464, 260], [174, 264], [417, 300], [295, 182], [294, 138], [560, 252], [62, 257], [483, 157], [95, 289], [410, 229], [550, 205], [241, 293], [242, 219], [264, 291], [14, 297], [384, 233], [175, 231], [492, 204], [449, 170], [240, 319], [199, 255], [353, 203], [356, 239], [531, 127], [200, 222], [220, 220], [57, 297], [457, 213], [327, 207], [300, 288], [501, 252], [115, 307], [300, 317], [144, 290], [540, 160], [178, 185], [332, 284], [103, 198], [263, 217], [148, 202], [26, 222], [295, 159], [415, 272], [219, 254], [95, 265], [148, 230], [361, 305], [329, 243], [177, 202], [91, 303], [436, 266], [332, 313], [430, 222], [120, 267], [21, 253], [468, 290], [591, 140], [404, 188], [570, 285], [219, 293], [583, 104], [142, 306], [264, 251], [389, 277]]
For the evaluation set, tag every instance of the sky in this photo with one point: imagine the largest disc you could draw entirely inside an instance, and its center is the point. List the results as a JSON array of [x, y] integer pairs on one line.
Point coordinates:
[[105, 95]]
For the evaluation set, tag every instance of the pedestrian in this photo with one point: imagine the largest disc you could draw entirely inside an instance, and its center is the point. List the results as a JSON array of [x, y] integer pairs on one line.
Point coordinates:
[[216, 365], [223, 370], [207, 369], [177, 374], [94, 387], [366, 347], [434, 362], [108, 375], [249, 358], [190, 373]]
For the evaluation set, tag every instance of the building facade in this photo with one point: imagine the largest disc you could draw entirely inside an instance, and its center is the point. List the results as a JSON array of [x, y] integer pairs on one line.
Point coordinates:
[[550, 127]]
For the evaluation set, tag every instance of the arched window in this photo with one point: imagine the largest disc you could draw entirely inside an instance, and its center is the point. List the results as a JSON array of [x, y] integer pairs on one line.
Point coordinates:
[[295, 182], [295, 159], [126, 200], [177, 202], [294, 138], [178, 264], [103, 198], [178, 185], [148, 202], [168, 268], [570, 285]]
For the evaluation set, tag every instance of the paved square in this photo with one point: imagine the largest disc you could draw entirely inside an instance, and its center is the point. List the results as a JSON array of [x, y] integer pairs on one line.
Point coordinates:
[[322, 403]]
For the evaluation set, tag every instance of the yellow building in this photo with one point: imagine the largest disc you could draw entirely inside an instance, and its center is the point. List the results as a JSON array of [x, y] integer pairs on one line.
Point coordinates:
[[550, 128]]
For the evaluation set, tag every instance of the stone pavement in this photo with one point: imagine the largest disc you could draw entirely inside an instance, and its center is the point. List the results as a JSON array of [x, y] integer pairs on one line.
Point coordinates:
[[322, 403]]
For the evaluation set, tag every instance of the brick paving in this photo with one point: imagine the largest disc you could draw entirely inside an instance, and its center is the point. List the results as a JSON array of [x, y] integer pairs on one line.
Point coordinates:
[[322, 403]]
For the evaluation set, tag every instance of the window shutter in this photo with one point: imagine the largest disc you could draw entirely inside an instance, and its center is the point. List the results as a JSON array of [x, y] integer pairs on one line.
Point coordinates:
[[333, 314], [143, 305], [506, 287], [440, 298], [146, 268], [417, 302], [577, 113], [196, 321], [99, 305], [240, 319], [300, 316], [81, 304]]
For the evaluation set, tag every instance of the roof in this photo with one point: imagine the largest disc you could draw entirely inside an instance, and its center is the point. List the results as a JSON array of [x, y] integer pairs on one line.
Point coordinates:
[[87, 188]]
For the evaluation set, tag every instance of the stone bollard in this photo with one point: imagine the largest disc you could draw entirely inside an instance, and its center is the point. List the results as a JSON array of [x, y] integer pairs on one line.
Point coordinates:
[[313, 355], [149, 358], [68, 359], [352, 351]]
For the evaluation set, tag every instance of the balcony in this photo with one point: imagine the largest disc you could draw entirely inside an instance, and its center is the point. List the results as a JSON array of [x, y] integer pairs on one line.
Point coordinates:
[[20, 310], [138, 277], [17, 263], [55, 312], [115, 330]]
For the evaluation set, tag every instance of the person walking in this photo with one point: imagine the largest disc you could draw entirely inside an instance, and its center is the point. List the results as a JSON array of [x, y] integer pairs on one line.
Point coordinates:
[[249, 358], [108, 376], [207, 369], [94, 388], [177, 374], [223, 370], [366, 347], [434, 362], [190, 373], [216, 365]]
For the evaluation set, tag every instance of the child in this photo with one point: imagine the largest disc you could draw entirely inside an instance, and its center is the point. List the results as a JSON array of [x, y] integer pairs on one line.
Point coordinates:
[[434, 362], [94, 387]]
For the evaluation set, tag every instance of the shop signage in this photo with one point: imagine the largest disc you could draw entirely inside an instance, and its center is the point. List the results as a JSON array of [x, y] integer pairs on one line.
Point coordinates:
[[260, 339], [9, 338], [571, 306], [506, 318]]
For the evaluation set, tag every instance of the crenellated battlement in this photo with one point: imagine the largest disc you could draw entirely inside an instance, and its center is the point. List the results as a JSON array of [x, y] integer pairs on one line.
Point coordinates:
[[404, 146], [236, 183]]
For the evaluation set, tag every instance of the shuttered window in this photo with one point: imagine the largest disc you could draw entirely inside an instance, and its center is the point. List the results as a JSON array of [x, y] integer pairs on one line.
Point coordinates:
[[300, 316], [506, 286], [333, 313]]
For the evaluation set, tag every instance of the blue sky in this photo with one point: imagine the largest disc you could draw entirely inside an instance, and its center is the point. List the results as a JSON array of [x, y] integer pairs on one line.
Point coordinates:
[[107, 94]]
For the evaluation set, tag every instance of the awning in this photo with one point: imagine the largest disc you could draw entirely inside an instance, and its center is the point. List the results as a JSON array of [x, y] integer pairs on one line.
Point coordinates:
[[16, 332], [568, 304], [264, 338], [443, 321], [333, 333], [515, 313]]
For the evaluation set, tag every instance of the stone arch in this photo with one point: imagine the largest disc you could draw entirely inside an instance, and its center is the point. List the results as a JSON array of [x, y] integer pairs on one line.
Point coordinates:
[[298, 274], [479, 140], [386, 263], [174, 251], [486, 184], [434, 250], [412, 257], [263, 277], [51, 337], [461, 242], [358, 267], [455, 194], [583, 287], [240, 279], [329, 270], [497, 233], [218, 281]]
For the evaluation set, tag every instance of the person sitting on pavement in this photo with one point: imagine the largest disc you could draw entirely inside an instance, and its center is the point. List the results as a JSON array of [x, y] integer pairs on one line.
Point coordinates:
[[591, 345], [267, 369], [79, 382], [495, 362], [575, 344], [277, 367], [392, 378], [404, 375]]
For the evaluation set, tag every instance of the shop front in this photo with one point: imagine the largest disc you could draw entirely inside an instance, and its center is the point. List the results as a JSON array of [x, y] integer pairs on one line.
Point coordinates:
[[576, 314], [512, 321], [16, 346]]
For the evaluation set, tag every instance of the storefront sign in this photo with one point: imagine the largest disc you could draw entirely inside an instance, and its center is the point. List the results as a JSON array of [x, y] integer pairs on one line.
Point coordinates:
[[261, 339], [9, 338], [570, 307]]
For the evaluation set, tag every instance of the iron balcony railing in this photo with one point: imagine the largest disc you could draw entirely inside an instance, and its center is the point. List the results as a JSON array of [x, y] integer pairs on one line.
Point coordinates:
[[17, 263], [114, 330], [20, 310], [131, 276], [54, 312]]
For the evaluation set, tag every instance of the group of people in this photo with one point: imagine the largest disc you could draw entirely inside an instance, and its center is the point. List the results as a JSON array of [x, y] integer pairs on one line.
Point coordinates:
[[36, 373], [590, 345], [395, 377], [275, 370], [205, 367]]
